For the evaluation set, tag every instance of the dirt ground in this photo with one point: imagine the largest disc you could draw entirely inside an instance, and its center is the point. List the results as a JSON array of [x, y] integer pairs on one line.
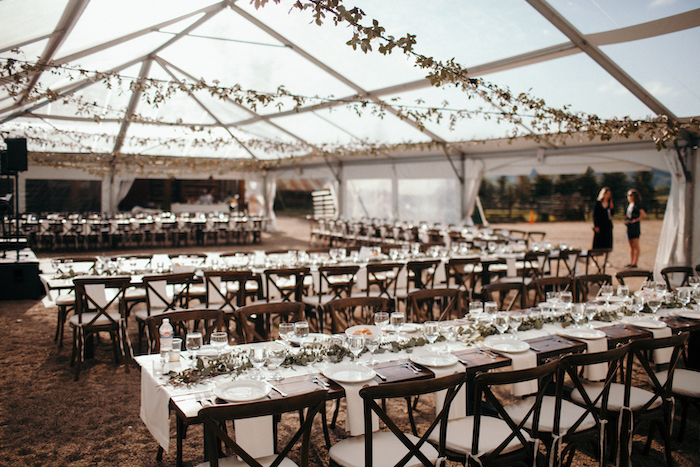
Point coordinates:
[[47, 419]]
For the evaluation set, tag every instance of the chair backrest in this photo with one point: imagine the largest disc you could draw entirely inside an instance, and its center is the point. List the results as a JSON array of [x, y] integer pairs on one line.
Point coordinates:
[[535, 236], [565, 263], [586, 286], [336, 281], [160, 299], [349, 311], [383, 276], [264, 313], [642, 274], [551, 284], [285, 284], [535, 264], [434, 304], [215, 417], [489, 393], [421, 274], [226, 289], [373, 397], [184, 321], [672, 274], [596, 258], [508, 295], [463, 274], [91, 297]]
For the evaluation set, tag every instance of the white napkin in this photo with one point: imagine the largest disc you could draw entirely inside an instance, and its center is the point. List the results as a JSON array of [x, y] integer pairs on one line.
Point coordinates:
[[256, 435], [522, 361], [599, 371], [459, 403], [156, 413], [355, 416], [662, 355]]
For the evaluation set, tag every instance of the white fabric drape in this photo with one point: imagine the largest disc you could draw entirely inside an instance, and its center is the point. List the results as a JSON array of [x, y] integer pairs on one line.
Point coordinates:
[[671, 248], [271, 192], [119, 189], [473, 173]]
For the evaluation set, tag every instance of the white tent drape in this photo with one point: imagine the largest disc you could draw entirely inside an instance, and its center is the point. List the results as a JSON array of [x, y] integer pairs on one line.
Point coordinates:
[[120, 188], [473, 173], [671, 248], [271, 193]]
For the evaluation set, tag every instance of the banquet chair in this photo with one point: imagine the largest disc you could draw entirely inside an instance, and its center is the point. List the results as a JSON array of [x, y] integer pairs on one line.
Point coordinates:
[[184, 321], [564, 263], [641, 274], [563, 421], [92, 315], [419, 275], [434, 305], [254, 320], [394, 447], [164, 293], [384, 277], [333, 282], [226, 290], [638, 404], [215, 417], [463, 273], [551, 284], [285, 284], [596, 257], [535, 237], [672, 274], [506, 294], [65, 297], [586, 286], [350, 311], [686, 390], [490, 436]]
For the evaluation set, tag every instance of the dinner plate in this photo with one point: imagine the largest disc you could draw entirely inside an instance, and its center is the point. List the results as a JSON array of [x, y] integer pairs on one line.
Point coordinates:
[[242, 391], [647, 323], [311, 338], [583, 333], [208, 351], [409, 327], [366, 329], [434, 360], [349, 373], [687, 314], [506, 344]]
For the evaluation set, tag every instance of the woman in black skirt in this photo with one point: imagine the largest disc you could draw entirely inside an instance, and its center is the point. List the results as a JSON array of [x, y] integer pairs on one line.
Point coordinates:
[[602, 222], [634, 214]]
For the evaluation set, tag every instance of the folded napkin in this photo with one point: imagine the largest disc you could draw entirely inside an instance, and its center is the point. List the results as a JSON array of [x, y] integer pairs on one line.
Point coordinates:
[[256, 435], [599, 371], [662, 355], [355, 412], [155, 414], [522, 361], [459, 403]]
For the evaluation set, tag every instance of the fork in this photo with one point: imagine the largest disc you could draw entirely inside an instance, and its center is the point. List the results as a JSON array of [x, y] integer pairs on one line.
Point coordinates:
[[410, 366], [320, 382]]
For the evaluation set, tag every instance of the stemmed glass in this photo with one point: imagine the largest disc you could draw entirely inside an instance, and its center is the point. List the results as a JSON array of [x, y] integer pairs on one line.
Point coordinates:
[[638, 302], [219, 340], [490, 308], [654, 301], [56, 265], [694, 282], [372, 344], [286, 331], [356, 343], [578, 311], [514, 321], [398, 319], [590, 311], [684, 294], [193, 342], [475, 310], [431, 331], [301, 331], [623, 291], [381, 320], [257, 354], [500, 321], [566, 297], [448, 330], [606, 292], [276, 354], [552, 298]]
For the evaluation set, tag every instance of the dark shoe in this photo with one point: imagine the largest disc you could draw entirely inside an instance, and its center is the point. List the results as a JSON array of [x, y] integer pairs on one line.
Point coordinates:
[[633, 265]]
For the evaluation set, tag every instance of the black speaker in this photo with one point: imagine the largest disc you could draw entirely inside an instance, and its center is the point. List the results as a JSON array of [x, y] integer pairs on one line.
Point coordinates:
[[15, 158]]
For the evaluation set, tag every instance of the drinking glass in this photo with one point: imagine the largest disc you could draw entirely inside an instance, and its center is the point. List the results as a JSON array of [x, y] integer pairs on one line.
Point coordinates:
[[475, 310], [514, 321], [648, 286], [257, 354], [398, 319], [276, 354], [623, 290], [552, 297], [301, 331], [694, 282], [219, 340], [500, 321], [372, 343], [654, 301], [286, 331], [56, 264], [566, 297], [448, 330], [193, 342], [684, 294], [578, 311], [381, 319], [431, 331], [356, 343], [590, 310], [638, 302], [661, 287], [606, 292], [490, 308]]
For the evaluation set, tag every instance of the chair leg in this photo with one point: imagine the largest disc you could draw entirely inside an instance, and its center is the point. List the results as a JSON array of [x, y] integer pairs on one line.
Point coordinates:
[[410, 407], [335, 413], [79, 350], [684, 419]]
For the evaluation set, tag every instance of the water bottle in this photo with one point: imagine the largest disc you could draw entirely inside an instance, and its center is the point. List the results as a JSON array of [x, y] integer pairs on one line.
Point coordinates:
[[166, 339]]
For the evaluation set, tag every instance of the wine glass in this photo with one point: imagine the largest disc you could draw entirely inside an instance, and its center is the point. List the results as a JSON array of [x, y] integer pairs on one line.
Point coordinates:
[[257, 355], [301, 331], [552, 297], [219, 340], [590, 311], [397, 319], [286, 331], [448, 330], [514, 321], [661, 288], [500, 321], [276, 354], [623, 291], [638, 302], [431, 331], [193, 342], [356, 343], [694, 282], [578, 312], [475, 310], [684, 294], [56, 265], [654, 301], [381, 319], [372, 344], [566, 297], [606, 291], [490, 308]]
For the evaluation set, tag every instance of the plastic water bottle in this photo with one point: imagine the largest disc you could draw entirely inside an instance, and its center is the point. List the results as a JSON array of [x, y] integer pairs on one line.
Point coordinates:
[[166, 339]]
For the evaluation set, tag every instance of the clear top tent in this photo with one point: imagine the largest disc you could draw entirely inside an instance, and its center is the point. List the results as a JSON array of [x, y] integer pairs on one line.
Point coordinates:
[[112, 91]]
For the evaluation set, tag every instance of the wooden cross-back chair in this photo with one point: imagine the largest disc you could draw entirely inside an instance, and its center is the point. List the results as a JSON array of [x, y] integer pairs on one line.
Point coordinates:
[[285, 284], [586, 286], [93, 315], [551, 284], [674, 272], [226, 290], [508, 295], [595, 260], [434, 304], [394, 447], [346, 312], [463, 273], [333, 282], [254, 321], [564, 263], [384, 277], [641, 274], [184, 321], [216, 416]]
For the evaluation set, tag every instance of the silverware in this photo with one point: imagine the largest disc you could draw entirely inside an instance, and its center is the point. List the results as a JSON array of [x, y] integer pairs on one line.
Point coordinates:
[[320, 382], [488, 353], [410, 366], [381, 376], [277, 390]]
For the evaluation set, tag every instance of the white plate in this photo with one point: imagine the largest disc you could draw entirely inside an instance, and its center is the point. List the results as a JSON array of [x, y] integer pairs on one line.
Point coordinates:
[[349, 373], [409, 327], [646, 323], [365, 329], [434, 360], [208, 350], [506, 344], [311, 338], [687, 314], [242, 391], [583, 333]]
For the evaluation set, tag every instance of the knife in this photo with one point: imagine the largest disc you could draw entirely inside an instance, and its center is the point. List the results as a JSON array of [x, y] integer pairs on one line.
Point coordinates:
[[277, 390]]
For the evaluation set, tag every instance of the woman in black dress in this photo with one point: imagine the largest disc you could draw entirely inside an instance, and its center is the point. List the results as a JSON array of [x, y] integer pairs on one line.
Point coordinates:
[[634, 214], [602, 222]]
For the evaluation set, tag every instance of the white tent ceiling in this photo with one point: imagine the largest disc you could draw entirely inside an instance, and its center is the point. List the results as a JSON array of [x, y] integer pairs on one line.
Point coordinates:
[[620, 59]]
